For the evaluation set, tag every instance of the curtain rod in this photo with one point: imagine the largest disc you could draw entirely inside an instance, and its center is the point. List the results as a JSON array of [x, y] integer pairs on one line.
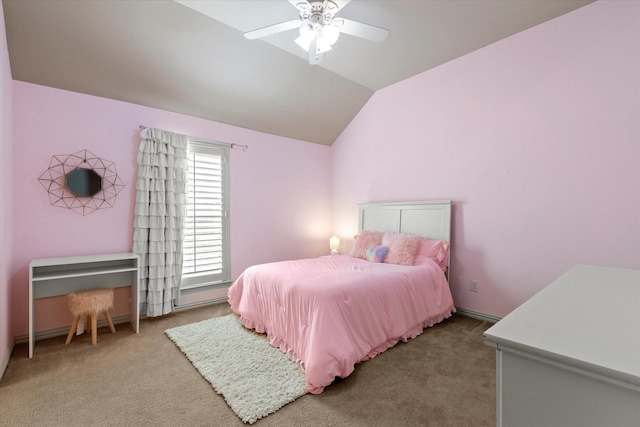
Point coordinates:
[[231, 145]]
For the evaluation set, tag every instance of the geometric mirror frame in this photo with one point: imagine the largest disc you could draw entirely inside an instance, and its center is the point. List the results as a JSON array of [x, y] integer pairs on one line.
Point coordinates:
[[82, 182]]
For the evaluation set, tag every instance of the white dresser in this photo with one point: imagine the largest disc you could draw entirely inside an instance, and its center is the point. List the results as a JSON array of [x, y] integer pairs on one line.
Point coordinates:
[[570, 355]]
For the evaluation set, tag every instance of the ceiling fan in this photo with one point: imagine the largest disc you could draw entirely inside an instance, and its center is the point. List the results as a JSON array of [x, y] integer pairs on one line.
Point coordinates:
[[319, 27]]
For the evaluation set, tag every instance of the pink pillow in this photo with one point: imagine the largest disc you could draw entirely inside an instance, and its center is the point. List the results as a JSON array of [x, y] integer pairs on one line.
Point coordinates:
[[402, 247], [364, 240], [437, 250]]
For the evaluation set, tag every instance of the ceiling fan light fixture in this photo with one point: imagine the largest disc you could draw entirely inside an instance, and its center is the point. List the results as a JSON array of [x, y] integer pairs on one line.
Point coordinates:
[[329, 34], [304, 43], [307, 34], [307, 31], [319, 27]]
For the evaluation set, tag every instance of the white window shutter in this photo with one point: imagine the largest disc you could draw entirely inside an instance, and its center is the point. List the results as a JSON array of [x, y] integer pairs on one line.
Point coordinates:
[[205, 244]]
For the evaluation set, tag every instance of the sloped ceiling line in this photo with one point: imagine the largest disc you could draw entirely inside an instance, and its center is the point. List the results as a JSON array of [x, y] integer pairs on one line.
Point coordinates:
[[190, 57]]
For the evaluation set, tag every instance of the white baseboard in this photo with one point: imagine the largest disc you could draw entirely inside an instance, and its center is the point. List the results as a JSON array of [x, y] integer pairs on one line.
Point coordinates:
[[5, 360], [476, 315], [201, 303], [51, 333]]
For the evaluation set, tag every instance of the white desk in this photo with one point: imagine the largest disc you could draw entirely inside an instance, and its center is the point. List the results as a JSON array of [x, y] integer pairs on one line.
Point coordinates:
[[60, 276], [570, 356]]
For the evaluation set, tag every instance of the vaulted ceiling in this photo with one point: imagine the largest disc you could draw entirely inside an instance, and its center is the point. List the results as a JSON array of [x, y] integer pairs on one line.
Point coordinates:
[[191, 57]]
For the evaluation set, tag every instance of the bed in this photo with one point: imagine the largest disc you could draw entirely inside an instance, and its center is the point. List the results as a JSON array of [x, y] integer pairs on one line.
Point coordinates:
[[331, 312]]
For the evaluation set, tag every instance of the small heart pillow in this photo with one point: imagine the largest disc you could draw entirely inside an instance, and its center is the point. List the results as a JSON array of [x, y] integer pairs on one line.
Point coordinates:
[[377, 254]]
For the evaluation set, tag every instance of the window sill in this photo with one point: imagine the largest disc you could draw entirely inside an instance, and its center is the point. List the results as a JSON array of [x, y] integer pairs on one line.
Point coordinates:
[[204, 288]]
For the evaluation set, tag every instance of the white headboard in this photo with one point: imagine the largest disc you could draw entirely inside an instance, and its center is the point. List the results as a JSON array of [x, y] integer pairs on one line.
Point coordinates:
[[426, 219]]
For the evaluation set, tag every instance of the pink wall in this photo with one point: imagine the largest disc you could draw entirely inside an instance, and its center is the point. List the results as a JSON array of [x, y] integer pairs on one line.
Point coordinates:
[[279, 188], [6, 335], [534, 138]]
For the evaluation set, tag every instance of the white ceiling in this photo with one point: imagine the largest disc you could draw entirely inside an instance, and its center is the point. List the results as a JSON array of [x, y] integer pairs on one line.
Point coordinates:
[[190, 57]]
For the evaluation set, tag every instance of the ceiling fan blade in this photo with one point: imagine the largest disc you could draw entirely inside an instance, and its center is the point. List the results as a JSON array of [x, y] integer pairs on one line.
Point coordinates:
[[365, 31], [315, 57], [272, 29]]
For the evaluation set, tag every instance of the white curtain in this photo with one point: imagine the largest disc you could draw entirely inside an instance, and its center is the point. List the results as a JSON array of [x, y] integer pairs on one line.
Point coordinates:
[[159, 218]]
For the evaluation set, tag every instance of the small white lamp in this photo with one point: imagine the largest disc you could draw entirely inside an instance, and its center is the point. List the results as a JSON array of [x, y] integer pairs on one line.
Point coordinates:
[[334, 244]]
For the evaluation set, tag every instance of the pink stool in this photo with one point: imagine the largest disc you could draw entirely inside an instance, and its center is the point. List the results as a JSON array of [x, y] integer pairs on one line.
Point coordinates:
[[90, 303]]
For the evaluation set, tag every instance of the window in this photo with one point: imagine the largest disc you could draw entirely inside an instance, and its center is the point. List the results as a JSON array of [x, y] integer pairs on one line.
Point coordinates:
[[206, 242]]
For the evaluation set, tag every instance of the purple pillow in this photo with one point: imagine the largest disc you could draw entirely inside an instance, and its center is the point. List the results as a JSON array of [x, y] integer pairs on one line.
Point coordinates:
[[377, 254]]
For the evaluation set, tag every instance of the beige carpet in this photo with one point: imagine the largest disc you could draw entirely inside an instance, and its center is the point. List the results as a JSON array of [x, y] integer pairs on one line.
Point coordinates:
[[444, 377]]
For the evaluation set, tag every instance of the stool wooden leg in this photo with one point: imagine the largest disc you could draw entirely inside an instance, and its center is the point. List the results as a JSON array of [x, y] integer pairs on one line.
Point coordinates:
[[109, 321], [94, 328], [72, 331]]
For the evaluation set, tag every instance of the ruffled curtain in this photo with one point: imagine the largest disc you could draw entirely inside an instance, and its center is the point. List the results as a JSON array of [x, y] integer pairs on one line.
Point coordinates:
[[159, 218]]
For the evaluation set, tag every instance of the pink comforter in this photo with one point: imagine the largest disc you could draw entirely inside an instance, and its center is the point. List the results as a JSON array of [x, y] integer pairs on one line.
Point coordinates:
[[335, 311]]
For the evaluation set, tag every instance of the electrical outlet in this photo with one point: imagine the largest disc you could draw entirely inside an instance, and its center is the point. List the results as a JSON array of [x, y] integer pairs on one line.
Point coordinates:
[[473, 286]]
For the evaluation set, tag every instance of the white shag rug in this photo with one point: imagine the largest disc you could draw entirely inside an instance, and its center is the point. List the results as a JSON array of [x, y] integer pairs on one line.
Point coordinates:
[[254, 378]]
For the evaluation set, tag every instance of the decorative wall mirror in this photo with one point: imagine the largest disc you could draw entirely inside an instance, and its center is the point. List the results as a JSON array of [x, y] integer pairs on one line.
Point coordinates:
[[82, 182]]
